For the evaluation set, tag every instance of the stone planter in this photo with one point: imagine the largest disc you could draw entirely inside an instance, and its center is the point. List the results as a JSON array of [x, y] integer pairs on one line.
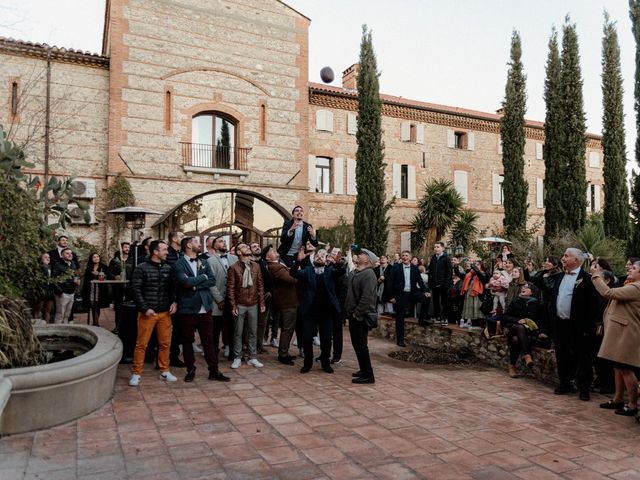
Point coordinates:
[[47, 395]]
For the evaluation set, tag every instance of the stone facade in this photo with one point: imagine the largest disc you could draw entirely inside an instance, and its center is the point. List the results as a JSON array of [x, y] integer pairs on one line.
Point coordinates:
[[130, 111]]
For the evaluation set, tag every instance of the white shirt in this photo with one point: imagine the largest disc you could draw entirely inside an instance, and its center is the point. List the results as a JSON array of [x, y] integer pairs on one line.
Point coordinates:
[[297, 240], [407, 277], [565, 294], [224, 261], [194, 268]]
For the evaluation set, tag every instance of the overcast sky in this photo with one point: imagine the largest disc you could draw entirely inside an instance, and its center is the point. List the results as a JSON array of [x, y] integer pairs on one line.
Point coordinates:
[[452, 52]]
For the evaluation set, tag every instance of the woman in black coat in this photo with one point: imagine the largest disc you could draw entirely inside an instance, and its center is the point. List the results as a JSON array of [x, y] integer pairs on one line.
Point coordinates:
[[95, 298], [523, 321]]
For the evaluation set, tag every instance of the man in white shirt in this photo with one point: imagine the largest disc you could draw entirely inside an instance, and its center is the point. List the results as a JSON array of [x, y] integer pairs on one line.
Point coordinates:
[[295, 234]]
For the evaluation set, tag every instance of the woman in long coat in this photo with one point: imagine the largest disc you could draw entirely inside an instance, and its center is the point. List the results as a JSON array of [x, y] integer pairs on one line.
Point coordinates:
[[621, 342]]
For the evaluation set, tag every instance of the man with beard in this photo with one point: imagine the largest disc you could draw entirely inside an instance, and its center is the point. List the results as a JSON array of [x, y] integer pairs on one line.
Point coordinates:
[[194, 280], [65, 282], [120, 268], [264, 319], [220, 261], [318, 304], [295, 234]]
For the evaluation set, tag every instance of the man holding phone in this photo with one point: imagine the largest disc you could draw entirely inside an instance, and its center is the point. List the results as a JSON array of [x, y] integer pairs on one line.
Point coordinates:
[[295, 234]]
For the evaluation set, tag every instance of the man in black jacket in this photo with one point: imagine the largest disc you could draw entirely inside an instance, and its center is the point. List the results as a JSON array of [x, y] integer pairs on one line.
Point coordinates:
[[295, 234], [440, 280], [405, 287], [153, 291], [174, 252], [65, 281]]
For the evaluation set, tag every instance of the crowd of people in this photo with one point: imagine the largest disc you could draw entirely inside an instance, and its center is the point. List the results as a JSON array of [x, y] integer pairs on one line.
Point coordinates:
[[243, 299]]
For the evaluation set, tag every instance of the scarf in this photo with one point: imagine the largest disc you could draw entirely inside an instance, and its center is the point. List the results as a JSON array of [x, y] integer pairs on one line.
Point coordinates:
[[476, 289], [247, 281]]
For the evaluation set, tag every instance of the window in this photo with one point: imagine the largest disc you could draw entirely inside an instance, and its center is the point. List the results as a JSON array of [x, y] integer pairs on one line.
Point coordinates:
[[594, 159], [263, 123], [324, 120], [539, 193], [593, 198], [14, 98], [352, 123], [460, 140], [497, 197], [167, 111], [411, 132], [213, 137], [323, 175], [404, 181], [539, 151], [460, 181]]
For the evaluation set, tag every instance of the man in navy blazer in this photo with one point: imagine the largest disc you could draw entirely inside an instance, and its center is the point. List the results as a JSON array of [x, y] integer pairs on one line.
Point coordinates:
[[574, 310], [405, 286], [318, 304], [295, 234], [194, 280]]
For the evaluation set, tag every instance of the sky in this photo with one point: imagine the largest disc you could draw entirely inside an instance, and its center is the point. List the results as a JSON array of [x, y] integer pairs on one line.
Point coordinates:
[[452, 52]]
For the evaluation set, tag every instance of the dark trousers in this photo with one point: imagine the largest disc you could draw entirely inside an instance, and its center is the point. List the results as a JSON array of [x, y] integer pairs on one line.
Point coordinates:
[[176, 338], [403, 301], [518, 341], [264, 319], [338, 335], [288, 318], [359, 331], [218, 329], [313, 321], [573, 356], [605, 380], [439, 298], [203, 322]]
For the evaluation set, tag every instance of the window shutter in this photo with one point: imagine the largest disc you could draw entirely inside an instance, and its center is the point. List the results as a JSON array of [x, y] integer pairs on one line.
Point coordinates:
[[588, 197], [352, 123], [471, 141], [539, 191], [596, 198], [460, 183], [397, 189], [338, 176], [496, 189], [352, 188], [451, 139], [405, 131], [594, 159], [329, 121], [539, 154], [320, 120], [499, 145], [420, 133], [312, 173], [411, 182], [405, 241]]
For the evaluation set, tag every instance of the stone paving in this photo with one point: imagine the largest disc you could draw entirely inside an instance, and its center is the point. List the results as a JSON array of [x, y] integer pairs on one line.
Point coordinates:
[[415, 422]]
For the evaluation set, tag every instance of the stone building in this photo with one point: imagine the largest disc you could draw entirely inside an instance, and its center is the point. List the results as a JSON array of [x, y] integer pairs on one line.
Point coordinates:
[[206, 109]]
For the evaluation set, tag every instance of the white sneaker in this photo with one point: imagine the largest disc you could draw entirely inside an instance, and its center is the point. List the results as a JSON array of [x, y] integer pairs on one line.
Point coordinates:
[[255, 362], [265, 343], [226, 351], [316, 341], [274, 342], [134, 381], [295, 342], [236, 363], [196, 348], [168, 377]]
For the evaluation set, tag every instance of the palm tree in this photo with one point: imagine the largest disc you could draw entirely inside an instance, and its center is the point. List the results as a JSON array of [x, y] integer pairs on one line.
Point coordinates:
[[438, 209], [464, 230]]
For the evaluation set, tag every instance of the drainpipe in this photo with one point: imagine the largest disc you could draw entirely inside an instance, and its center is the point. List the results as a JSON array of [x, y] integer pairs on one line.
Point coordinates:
[[47, 122]]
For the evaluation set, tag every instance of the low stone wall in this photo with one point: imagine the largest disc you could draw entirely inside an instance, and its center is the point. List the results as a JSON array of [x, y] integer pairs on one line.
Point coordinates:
[[493, 351]]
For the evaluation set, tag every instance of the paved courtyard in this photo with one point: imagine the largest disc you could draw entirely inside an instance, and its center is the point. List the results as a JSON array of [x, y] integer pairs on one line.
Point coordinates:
[[415, 422]]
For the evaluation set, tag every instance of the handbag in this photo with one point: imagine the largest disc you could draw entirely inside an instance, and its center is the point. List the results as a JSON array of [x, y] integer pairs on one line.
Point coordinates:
[[371, 319]]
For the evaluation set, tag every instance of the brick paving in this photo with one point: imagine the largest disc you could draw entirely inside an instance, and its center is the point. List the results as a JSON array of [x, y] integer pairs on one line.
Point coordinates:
[[415, 422]]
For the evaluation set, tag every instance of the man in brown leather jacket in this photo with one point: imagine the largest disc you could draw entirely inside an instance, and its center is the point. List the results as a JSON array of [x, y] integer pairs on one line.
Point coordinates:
[[245, 294]]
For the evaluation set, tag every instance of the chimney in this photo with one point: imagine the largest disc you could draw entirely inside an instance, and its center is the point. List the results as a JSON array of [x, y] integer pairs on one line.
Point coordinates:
[[350, 76]]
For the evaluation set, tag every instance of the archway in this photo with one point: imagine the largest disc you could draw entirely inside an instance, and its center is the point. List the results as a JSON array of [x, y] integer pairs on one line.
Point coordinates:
[[238, 215]]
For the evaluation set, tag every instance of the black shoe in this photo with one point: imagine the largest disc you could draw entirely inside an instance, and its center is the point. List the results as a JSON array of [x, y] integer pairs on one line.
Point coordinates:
[[219, 376], [612, 405], [626, 411], [327, 368], [564, 389], [305, 369], [357, 374], [177, 363], [401, 344], [286, 360], [363, 380], [584, 395], [126, 360], [191, 374]]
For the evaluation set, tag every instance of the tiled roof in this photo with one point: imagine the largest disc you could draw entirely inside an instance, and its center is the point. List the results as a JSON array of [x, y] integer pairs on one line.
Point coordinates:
[[60, 54]]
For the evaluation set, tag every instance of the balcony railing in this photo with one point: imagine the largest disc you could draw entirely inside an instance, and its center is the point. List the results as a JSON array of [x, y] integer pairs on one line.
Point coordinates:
[[214, 156]]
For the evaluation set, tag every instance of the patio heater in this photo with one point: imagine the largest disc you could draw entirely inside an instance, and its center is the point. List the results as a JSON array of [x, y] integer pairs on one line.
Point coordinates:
[[135, 218]]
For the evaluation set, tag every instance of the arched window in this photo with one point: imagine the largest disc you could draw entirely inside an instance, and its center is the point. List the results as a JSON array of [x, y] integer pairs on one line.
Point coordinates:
[[213, 141]]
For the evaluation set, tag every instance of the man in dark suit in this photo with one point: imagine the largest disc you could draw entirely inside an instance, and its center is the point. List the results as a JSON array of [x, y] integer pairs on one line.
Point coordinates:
[[405, 287], [194, 280], [318, 305], [295, 234], [574, 308], [440, 280]]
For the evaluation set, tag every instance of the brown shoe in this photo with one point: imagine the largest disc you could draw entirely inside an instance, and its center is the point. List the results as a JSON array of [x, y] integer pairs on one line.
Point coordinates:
[[528, 361], [512, 371]]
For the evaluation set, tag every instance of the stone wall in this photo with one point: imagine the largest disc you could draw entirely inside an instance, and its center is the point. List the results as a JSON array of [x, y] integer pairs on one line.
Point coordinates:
[[489, 351]]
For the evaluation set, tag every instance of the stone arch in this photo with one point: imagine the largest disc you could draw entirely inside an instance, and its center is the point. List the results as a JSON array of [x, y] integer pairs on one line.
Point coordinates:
[[216, 70]]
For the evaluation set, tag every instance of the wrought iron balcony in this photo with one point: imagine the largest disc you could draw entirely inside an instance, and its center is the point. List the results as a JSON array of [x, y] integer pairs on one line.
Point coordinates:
[[214, 156]]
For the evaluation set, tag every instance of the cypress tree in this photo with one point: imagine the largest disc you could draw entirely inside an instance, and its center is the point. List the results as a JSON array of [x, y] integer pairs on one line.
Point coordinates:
[[514, 105], [573, 141], [553, 213], [616, 194], [370, 219], [633, 247]]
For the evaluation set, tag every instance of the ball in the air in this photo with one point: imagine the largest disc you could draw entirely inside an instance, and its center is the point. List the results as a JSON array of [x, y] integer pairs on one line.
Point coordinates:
[[326, 74]]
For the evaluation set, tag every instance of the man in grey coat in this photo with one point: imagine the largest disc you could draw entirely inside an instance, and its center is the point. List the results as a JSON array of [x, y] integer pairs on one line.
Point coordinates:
[[361, 300], [220, 261]]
